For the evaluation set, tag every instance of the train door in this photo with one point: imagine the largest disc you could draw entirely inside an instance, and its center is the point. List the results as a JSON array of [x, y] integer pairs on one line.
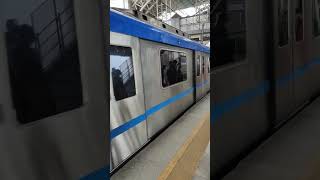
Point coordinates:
[[127, 107], [198, 75], [313, 36], [303, 84], [283, 60]]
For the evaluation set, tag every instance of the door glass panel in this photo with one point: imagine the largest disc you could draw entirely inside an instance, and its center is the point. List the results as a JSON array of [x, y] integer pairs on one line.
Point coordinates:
[[299, 20], [173, 67], [208, 65], [198, 66], [283, 19], [316, 17], [229, 32], [203, 65], [42, 48], [122, 71]]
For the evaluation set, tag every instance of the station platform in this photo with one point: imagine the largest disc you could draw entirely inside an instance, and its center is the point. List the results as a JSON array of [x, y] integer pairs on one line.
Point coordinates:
[[203, 169], [179, 152], [292, 153]]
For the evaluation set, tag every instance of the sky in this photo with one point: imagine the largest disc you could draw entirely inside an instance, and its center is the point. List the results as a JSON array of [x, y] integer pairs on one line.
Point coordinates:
[[119, 3], [116, 61]]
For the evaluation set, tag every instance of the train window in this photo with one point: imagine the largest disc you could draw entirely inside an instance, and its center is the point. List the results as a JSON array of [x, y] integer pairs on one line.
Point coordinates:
[[122, 72], [203, 65], [42, 57], [229, 32], [316, 17], [145, 17], [210, 62], [208, 65], [299, 18], [198, 66], [195, 39], [173, 67], [283, 22]]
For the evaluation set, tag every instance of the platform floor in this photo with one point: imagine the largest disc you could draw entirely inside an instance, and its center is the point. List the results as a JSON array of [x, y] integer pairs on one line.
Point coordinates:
[[203, 170], [292, 153], [149, 163]]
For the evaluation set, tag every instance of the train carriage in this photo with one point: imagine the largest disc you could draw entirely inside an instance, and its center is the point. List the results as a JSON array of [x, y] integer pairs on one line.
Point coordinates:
[[154, 77], [266, 69]]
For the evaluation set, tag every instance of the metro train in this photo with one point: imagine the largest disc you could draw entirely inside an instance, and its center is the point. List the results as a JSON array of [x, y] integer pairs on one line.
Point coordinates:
[[265, 70], [156, 74]]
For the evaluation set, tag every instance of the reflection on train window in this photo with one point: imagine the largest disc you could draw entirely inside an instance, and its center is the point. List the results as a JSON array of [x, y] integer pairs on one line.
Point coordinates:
[[316, 17], [122, 72], [198, 66], [173, 67], [229, 32], [42, 57], [299, 20], [283, 19]]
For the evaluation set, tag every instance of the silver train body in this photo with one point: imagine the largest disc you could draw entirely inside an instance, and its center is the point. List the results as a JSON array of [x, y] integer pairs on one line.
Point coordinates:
[[158, 105], [276, 75], [64, 144]]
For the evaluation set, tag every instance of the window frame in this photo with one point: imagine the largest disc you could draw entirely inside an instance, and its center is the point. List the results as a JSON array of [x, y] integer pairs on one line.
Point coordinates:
[[160, 72], [112, 96]]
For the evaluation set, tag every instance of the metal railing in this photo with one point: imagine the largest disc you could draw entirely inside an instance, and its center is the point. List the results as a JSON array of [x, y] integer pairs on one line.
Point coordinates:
[[127, 70]]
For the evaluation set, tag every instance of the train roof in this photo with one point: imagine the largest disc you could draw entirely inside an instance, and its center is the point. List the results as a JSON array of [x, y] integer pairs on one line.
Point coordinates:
[[124, 24]]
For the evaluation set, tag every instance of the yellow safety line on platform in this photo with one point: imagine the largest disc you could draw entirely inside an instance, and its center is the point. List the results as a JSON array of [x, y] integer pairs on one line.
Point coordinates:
[[185, 162]]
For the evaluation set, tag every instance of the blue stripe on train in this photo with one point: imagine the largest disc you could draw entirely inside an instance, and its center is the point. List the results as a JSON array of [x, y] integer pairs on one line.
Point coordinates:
[[134, 122], [219, 109], [101, 174], [233, 103], [124, 24]]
